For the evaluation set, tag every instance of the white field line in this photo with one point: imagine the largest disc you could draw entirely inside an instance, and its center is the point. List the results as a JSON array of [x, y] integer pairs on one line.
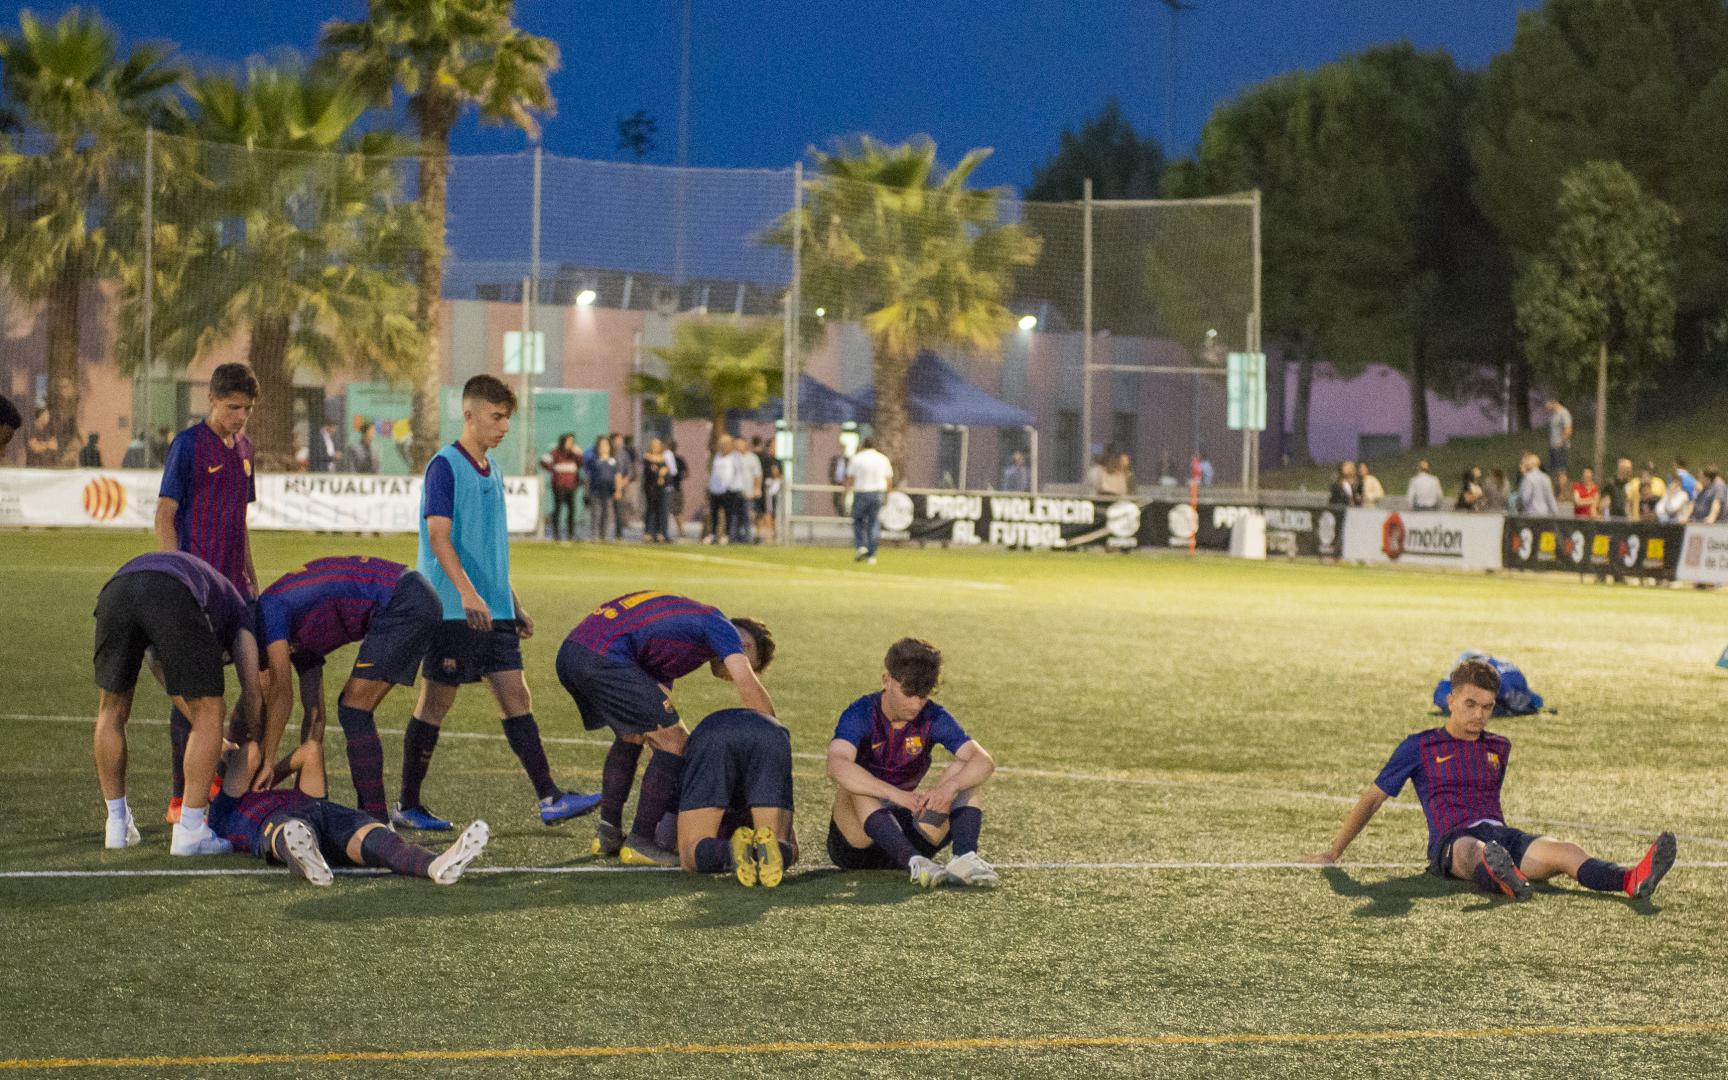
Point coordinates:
[[1404, 805]]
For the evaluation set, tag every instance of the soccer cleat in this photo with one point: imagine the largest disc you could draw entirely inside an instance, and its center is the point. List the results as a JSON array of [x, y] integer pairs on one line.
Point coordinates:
[[448, 867], [971, 869], [300, 852], [871, 561], [1642, 879], [172, 817], [744, 856], [925, 873], [1505, 874], [770, 863], [557, 809], [608, 838], [417, 817], [202, 842], [640, 851], [122, 833], [863, 553]]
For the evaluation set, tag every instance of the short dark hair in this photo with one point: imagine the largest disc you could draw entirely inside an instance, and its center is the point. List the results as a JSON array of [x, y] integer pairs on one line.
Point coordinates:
[[231, 379], [1478, 673], [490, 389], [916, 665], [869, 443], [1711, 472], [9, 414], [1679, 462], [762, 636]]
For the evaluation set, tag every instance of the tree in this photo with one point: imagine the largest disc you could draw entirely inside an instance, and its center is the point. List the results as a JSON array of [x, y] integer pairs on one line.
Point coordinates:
[[714, 366], [636, 134], [1107, 151], [445, 55], [1600, 299], [71, 87], [913, 255]]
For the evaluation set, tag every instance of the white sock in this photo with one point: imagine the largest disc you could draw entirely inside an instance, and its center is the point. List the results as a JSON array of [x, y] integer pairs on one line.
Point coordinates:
[[117, 808], [192, 820]]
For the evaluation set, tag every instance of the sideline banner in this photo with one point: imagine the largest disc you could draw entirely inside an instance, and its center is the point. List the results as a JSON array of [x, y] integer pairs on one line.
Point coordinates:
[[1593, 546], [1012, 520], [1704, 555], [1424, 538], [328, 502]]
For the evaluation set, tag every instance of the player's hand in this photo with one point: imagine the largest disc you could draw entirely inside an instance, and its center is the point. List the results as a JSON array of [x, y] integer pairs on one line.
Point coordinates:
[[913, 801], [263, 779], [474, 609], [940, 798], [1319, 858], [524, 624]]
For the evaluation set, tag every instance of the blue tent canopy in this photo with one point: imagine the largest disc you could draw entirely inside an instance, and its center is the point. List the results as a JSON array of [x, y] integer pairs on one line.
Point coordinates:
[[818, 403], [937, 394]]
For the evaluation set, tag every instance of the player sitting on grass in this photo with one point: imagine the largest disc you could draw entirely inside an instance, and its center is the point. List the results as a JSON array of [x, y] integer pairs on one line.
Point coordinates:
[[880, 753], [1458, 770], [306, 832], [619, 665], [326, 604], [737, 783]]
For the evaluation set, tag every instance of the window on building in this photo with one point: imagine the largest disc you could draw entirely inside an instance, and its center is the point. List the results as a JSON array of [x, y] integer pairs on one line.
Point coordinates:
[[1125, 432], [948, 459], [1069, 464]]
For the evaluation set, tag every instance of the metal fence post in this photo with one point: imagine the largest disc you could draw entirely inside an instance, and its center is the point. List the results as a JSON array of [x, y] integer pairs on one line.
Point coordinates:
[[531, 348], [1085, 325], [790, 355], [149, 288], [1254, 345]]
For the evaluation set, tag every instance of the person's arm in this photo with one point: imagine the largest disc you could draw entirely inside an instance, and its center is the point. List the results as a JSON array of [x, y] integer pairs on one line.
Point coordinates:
[[524, 621], [972, 765], [1354, 822], [277, 680], [474, 609], [854, 779], [1715, 512], [312, 712], [751, 692]]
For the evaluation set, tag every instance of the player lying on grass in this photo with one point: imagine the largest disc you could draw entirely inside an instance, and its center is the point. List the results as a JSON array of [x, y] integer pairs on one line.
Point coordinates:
[[1458, 770], [879, 755], [306, 832], [737, 783], [328, 603], [192, 620], [619, 665]]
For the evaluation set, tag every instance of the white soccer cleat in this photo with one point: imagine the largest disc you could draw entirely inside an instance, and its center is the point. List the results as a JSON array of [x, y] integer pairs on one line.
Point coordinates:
[[925, 873], [304, 858], [970, 869], [447, 868], [201, 842], [122, 833]]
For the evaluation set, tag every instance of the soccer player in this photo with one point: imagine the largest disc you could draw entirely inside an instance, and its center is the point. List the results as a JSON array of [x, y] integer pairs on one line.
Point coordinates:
[[619, 665], [207, 484], [180, 609], [306, 832], [326, 604], [881, 752], [738, 783], [1458, 771], [465, 554]]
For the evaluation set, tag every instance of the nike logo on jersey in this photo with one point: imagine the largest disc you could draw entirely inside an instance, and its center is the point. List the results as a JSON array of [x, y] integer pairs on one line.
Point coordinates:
[[214, 468], [365, 664], [1444, 760]]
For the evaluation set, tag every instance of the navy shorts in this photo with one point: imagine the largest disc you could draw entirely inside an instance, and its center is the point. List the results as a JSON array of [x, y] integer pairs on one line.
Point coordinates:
[[332, 823], [735, 759], [1515, 841], [460, 654], [401, 633], [847, 857], [152, 610], [613, 694]]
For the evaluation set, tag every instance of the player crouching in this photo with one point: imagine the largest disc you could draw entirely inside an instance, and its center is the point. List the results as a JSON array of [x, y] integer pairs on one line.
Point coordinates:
[[306, 832], [1458, 770], [737, 783], [880, 754]]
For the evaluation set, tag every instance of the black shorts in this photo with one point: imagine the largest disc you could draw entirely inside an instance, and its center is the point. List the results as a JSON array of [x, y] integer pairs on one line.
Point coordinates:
[[1515, 841], [332, 823], [460, 654], [151, 610], [401, 633], [847, 857], [736, 759], [613, 694]]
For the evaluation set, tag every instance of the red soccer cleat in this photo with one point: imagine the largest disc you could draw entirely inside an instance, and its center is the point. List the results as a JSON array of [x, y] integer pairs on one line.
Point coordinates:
[[1497, 861], [172, 817], [1642, 879]]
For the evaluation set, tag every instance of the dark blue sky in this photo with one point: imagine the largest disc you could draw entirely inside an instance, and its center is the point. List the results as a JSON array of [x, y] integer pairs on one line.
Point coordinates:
[[773, 77]]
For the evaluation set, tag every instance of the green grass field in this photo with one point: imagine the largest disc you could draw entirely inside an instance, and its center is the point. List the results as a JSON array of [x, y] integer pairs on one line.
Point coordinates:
[[1178, 717]]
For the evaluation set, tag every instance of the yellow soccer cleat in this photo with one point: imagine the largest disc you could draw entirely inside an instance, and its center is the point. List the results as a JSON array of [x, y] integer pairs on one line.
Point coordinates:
[[608, 839], [744, 857], [770, 864], [639, 852]]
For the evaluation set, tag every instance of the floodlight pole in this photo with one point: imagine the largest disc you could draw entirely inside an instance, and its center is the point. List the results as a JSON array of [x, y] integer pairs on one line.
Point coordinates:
[[682, 193], [1085, 324], [1255, 346], [789, 381], [531, 350], [149, 285]]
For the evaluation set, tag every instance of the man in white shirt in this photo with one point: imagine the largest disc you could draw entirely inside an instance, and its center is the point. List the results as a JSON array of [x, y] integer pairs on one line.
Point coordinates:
[[746, 488], [722, 470], [1559, 436], [1424, 491], [869, 475]]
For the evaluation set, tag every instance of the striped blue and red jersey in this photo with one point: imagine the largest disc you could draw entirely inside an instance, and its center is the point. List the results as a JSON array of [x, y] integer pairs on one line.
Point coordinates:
[[666, 635], [1457, 780], [213, 484], [326, 604], [214, 594], [240, 821], [898, 755]]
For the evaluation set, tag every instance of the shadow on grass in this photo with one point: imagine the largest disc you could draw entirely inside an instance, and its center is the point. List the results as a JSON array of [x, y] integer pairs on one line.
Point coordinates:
[[723, 903], [1644, 909], [1392, 898]]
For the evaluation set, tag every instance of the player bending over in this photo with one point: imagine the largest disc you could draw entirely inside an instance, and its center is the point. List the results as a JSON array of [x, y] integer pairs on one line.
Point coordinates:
[[326, 604], [1458, 770], [881, 752], [738, 784], [619, 665], [306, 832]]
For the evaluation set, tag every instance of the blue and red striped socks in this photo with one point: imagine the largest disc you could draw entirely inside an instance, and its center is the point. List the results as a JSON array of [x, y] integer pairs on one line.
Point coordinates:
[[418, 742], [381, 847], [523, 734], [659, 792], [617, 777], [365, 758]]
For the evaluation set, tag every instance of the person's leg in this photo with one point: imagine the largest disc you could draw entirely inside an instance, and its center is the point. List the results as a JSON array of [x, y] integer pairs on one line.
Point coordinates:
[[179, 728], [421, 739], [1489, 865], [1545, 857], [860, 527], [516, 705], [618, 506], [112, 712], [360, 698], [617, 777], [659, 794], [883, 828], [701, 850], [873, 513]]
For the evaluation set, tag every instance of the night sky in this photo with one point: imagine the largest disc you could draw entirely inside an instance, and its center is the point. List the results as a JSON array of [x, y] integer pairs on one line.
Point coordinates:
[[773, 77]]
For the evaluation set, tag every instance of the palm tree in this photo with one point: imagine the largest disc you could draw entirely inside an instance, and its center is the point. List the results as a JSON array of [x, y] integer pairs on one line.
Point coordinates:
[[291, 230], [714, 366], [916, 257], [72, 90], [445, 55]]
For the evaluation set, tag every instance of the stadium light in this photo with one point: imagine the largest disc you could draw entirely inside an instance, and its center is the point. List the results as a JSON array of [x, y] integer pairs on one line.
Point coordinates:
[[585, 298], [821, 312], [1028, 322]]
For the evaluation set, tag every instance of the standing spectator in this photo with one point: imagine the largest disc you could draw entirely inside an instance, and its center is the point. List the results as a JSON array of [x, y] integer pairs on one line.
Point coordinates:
[[137, 454], [771, 486], [90, 457], [564, 463], [604, 484], [629, 475], [1563, 493], [1620, 500], [1496, 491], [159, 448], [1368, 489], [1424, 490], [1559, 436], [654, 483], [1683, 479], [1712, 500], [43, 449], [1535, 490], [721, 471], [1343, 491], [746, 489], [1651, 491], [837, 476], [1205, 468], [10, 422], [324, 451], [869, 476], [1017, 476], [1108, 478], [1469, 489], [764, 451], [675, 490], [1586, 496], [364, 457]]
